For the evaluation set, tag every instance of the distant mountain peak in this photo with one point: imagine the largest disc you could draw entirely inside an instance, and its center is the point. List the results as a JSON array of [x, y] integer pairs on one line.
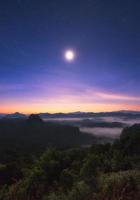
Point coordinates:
[[15, 115], [34, 118]]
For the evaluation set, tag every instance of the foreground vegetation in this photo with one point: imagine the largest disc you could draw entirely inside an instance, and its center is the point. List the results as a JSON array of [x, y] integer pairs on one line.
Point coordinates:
[[76, 174], [101, 172]]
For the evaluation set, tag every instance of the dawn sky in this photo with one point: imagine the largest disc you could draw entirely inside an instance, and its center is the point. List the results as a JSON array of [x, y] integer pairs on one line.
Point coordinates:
[[104, 74]]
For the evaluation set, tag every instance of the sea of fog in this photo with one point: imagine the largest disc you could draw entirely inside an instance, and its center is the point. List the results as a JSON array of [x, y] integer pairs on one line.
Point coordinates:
[[112, 133], [128, 121]]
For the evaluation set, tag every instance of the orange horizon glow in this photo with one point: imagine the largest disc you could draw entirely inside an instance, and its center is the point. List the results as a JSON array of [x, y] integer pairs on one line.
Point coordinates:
[[67, 109], [88, 101]]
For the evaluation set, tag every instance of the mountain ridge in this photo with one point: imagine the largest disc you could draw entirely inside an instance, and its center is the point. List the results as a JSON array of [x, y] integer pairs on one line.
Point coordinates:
[[79, 114]]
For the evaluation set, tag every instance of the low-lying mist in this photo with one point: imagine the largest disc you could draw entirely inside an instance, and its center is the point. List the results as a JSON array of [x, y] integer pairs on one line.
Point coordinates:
[[113, 133], [98, 125]]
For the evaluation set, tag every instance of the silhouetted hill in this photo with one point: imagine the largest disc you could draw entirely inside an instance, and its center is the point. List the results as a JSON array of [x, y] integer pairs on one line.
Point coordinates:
[[130, 138], [34, 135], [125, 114], [15, 115], [34, 118]]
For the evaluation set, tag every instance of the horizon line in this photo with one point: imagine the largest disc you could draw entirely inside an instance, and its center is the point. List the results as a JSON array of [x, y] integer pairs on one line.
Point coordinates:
[[69, 112]]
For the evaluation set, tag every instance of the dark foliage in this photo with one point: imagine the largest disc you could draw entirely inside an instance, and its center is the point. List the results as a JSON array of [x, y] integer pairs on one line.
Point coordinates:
[[33, 135], [100, 172]]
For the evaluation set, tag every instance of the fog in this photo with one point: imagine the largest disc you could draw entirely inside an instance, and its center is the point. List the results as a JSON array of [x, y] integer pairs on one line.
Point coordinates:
[[112, 133], [127, 121]]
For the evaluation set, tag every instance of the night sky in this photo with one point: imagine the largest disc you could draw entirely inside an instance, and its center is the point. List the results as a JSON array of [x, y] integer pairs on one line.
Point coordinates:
[[104, 36]]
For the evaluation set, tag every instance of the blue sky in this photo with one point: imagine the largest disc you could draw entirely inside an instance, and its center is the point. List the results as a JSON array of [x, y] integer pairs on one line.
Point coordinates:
[[34, 75]]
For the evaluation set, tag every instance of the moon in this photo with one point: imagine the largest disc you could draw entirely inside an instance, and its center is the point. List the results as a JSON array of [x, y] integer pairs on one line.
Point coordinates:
[[69, 55]]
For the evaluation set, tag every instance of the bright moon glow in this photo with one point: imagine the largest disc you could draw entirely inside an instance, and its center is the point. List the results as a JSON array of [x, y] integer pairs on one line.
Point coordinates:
[[69, 55]]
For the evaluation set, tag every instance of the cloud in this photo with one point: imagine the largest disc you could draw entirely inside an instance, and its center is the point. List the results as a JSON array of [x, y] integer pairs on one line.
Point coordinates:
[[65, 98], [117, 97]]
